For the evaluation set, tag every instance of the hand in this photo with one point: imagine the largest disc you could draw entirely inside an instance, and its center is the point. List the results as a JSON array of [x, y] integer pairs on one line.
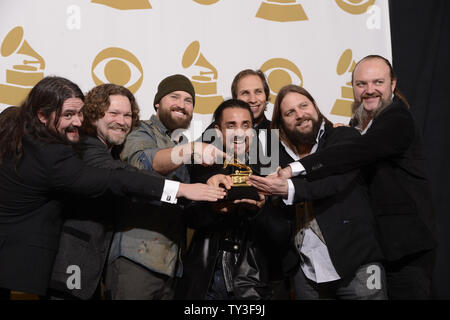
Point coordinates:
[[220, 179], [200, 192], [252, 204], [285, 173], [270, 185], [207, 154]]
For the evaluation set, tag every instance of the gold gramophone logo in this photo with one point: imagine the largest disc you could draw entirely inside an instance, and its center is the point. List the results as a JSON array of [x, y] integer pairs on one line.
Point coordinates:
[[281, 11], [125, 4], [22, 77], [280, 72], [343, 106], [206, 2], [205, 82], [355, 6], [118, 66]]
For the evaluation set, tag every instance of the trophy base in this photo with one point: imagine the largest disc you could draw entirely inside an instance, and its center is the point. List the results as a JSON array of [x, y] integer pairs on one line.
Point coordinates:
[[242, 192]]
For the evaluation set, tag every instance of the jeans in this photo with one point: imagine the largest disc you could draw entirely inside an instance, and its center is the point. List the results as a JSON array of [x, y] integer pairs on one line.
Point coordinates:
[[127, 280]]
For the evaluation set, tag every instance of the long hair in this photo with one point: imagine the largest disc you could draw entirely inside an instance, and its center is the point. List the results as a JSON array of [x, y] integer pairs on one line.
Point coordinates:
[[97, 103], [46, 97], [277, 118], [250, 72]]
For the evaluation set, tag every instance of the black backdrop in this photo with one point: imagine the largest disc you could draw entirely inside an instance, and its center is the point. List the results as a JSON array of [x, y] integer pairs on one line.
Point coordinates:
[[421, 59]]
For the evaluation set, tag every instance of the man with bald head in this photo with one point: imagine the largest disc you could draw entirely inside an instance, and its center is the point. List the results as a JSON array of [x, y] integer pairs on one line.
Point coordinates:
[[390, 153]]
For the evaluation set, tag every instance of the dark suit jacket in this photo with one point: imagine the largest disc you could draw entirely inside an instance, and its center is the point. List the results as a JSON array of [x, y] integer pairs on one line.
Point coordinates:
[[391, 154], [31, 202], [342, 209], [88, 227]]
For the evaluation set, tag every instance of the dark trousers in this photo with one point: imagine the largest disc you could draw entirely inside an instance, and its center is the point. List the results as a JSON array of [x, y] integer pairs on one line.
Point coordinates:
[[357, 287], [410, 277], [127, 280]]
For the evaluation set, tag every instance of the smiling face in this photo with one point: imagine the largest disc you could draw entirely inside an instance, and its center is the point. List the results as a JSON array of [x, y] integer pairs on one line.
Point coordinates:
[[372, 84], [175, 110], [69, 121], [251, 90], [115, 125], [234, 127], [299, 118]]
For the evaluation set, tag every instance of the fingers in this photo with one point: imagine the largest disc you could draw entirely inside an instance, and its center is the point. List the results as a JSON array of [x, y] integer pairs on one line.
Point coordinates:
[[211, 193], [220, 179]]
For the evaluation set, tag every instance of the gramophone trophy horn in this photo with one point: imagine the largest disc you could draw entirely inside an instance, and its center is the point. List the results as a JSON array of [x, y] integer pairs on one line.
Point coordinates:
[[343, 107], [20, 78], [13, 44], [241, 189], [205, 82], [192, 56]]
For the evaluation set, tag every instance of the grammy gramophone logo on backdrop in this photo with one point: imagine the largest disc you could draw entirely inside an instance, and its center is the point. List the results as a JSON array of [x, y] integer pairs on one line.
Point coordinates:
[[281, 72], [343, 105], [20, 78], [355, 6], [119, 66], [204, 80], [125, 4], [281, 11], [206, 2]]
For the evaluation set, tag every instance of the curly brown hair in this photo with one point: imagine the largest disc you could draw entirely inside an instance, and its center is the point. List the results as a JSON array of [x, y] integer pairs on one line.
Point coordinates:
[[97, 102]]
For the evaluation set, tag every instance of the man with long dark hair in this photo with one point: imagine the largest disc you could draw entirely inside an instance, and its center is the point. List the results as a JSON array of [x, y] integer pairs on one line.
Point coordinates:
[[334, 226], [39, 172]]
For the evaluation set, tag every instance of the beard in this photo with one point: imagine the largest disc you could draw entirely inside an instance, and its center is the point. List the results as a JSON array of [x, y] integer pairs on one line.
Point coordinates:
[[362, 116], [309, 138], [165, 116], [116, 140], [65, 138]]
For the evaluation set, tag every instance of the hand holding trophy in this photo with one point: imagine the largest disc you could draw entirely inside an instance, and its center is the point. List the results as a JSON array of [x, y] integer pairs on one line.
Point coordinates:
[[240, 188]]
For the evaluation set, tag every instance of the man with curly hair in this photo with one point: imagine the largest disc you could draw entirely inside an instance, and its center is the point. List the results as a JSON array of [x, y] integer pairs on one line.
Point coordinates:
[[110, 112]]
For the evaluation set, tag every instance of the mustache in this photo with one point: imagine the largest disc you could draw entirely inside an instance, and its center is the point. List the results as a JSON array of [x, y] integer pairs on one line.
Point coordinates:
[[299, 121], [179, 110], [118, 126], [71, 129], [371, 95]]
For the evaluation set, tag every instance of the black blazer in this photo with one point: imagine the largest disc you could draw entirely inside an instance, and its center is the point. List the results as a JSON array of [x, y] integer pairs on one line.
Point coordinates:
[[342, 209], [31, 202], [391, 154]]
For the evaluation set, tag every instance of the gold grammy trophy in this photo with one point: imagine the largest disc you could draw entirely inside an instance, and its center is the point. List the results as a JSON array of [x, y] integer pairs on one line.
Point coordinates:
[[281, 11], [22, 77], [343, 107], [205, 84], [241, 189]]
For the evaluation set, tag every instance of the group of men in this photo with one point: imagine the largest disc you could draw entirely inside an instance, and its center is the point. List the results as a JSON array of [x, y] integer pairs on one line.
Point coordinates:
[[340, 212]]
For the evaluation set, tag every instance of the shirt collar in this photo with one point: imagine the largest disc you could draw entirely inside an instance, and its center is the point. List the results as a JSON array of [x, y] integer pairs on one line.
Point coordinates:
[[294, 156], [159, 125]]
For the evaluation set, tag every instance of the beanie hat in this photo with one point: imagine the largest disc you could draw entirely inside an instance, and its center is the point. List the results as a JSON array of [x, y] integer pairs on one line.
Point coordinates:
[[176, 82]]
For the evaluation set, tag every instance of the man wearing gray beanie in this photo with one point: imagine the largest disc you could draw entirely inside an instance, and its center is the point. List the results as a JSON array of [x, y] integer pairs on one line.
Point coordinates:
[[144, 259]]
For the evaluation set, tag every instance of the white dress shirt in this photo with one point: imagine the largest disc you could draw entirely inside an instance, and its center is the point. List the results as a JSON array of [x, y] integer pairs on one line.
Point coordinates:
[[315, 261]]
